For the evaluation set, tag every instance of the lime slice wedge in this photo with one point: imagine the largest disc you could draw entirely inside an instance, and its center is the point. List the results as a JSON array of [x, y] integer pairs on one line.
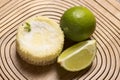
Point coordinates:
[[79, 56]]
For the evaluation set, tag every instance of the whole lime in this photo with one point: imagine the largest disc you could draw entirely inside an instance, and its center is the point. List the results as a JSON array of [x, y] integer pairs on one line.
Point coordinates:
[[78, 23]]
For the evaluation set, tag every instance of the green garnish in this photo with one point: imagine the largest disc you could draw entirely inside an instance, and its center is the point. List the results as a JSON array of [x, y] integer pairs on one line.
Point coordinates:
[[27, 27]]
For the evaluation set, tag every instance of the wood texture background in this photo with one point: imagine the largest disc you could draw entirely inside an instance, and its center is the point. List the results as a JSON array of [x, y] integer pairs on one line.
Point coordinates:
[[106, 65]]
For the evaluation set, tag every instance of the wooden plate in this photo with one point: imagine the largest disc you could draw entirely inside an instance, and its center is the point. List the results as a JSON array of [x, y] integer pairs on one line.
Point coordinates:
[[106, 65]]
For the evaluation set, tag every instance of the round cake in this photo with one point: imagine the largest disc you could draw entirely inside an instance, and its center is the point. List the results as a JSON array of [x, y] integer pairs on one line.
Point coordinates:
[[39, 40]]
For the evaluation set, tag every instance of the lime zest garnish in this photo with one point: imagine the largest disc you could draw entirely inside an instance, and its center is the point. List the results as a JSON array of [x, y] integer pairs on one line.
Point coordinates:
[[27, 27]]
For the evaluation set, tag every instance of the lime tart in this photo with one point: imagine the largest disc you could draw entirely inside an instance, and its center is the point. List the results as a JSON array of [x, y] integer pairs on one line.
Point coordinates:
[[39, 40]]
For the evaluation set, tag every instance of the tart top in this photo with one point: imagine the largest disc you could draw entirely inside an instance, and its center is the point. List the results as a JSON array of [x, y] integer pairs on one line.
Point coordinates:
[[40, 34]]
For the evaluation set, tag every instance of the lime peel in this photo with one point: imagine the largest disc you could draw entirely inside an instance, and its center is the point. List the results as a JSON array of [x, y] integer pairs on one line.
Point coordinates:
[[78, 20], [77, 51]]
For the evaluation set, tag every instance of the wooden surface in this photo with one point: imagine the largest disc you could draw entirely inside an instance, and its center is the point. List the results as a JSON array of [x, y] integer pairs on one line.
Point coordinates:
[[106, 65]]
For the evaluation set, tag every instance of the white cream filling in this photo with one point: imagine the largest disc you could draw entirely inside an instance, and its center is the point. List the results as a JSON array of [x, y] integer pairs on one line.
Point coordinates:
[[42, 37]]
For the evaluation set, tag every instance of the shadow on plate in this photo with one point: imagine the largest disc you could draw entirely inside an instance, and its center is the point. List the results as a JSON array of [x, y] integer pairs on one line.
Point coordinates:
[[49, 72]]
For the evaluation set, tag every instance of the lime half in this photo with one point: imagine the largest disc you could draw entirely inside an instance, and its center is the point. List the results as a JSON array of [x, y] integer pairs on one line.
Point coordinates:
[[79, 56]]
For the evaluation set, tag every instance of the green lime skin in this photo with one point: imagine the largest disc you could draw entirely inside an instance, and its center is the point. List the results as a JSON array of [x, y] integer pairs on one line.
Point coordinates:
[[78, 23]]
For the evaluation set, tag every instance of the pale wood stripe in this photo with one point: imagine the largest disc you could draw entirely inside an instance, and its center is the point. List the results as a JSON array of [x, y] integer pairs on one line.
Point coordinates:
[[105, 13], [11, 5], [114, 3], [4, 2], [109, 8]]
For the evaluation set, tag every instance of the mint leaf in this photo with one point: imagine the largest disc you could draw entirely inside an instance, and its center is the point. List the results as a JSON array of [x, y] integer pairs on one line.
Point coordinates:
[[27, 27]]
